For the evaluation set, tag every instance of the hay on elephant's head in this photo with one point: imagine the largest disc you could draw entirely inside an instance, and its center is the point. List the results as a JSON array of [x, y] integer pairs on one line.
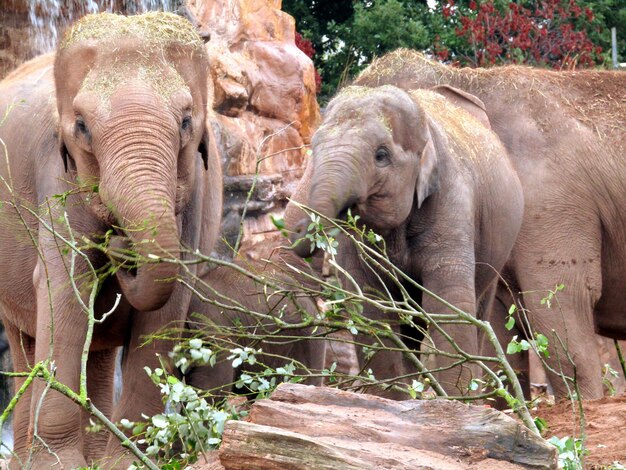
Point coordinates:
[[466, 138], [155, 32], [158, 28]]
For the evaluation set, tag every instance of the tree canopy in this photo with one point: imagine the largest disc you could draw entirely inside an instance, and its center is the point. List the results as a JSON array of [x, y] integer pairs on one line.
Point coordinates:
[[562, 34]]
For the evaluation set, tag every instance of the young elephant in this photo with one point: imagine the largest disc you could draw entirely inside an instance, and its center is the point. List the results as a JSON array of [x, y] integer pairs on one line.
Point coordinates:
[[111, 141], [566, 136], [423, 171], [248, 308]]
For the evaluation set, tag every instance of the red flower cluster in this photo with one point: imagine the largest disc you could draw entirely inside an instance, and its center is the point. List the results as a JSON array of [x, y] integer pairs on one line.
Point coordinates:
[[306, 46], [546, 35]]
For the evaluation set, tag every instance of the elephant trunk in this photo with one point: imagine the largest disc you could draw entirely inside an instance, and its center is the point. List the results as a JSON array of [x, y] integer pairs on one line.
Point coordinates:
[[335, 187], [138, 186]]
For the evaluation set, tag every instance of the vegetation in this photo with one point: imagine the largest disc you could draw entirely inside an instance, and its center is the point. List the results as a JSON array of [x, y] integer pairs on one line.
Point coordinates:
[[547, 33], [194, 419]]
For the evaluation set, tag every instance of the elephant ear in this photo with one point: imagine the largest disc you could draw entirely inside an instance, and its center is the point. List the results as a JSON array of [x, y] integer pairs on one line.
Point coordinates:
[[428, 178], [203, 148], [467, 101]]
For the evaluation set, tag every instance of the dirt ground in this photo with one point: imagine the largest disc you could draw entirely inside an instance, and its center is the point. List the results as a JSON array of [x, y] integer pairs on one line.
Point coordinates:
[[605, 428]]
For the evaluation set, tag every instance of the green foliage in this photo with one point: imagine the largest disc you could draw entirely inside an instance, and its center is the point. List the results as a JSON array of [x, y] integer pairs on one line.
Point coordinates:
[[190, 422], [348, 35], [608, 373], [571, 452], [548, 299], [321, 238], [541, 424]]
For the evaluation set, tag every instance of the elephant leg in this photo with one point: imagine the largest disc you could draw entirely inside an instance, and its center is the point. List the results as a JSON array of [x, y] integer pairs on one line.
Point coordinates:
[[497, 316], [23, 355], [311, 353], [569, 317], [55, 424], [100, 374], [218, 379], [455, 285], [387, 364], [139, 395]]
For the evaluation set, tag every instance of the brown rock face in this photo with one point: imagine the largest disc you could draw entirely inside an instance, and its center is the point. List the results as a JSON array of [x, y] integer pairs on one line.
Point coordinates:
[[14, 35], [265, 107]]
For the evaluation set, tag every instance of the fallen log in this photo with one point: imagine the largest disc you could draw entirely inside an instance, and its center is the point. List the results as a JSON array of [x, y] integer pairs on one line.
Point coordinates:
[[305, 427]]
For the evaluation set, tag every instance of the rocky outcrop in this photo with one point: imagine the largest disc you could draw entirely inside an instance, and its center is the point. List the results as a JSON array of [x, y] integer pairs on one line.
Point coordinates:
[[15, 46], [304, 427], [264, 98]]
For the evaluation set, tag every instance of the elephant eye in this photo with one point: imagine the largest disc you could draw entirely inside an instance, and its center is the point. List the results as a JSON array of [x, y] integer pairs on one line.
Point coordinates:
[[80, 127], [382, 157], [186, 124]]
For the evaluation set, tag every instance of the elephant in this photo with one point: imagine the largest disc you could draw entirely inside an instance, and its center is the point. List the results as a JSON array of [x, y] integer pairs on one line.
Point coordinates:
[[566, 134], [424, 172], [105, 145], [217, 313]]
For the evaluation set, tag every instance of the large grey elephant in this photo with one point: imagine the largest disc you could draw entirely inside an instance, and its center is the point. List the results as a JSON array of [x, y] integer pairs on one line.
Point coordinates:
[[117, 130], [237, 311], [566, 134], [424, 172]]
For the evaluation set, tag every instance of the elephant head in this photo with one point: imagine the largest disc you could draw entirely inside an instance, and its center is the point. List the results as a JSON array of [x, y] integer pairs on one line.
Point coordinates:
[[131, 96], [374, 143]]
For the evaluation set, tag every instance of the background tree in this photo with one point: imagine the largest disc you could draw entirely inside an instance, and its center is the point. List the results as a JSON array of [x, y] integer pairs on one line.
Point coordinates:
[[549, 33], [346, 35]]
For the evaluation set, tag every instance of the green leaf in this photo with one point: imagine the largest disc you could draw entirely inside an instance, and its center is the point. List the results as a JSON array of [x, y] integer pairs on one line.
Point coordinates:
[[278, 222], [512, 309], [159, 421], [513, 346], [541, 424], [542, 344], [510, 323]]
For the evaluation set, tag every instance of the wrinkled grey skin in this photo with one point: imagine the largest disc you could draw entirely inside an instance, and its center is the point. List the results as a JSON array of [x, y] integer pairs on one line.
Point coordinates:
[[154, 193], [239, 291], [426, 173], [566, 134]]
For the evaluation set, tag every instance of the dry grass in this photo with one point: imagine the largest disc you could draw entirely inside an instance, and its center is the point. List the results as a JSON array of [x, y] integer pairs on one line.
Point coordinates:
[[154, 31], [159, 28], [162, 78], [462, 129], [466, 134], [596, 98]]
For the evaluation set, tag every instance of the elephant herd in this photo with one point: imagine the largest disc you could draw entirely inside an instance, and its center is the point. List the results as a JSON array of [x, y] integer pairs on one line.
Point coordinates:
[[487, 186]]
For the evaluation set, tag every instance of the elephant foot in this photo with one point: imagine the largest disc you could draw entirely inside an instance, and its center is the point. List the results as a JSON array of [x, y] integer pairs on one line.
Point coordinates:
[[64, 459], [116, 457], [95, 445], [118, 462]]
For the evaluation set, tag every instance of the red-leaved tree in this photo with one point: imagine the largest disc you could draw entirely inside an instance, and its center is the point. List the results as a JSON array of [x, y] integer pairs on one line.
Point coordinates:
[[545, 33], [306, 46]]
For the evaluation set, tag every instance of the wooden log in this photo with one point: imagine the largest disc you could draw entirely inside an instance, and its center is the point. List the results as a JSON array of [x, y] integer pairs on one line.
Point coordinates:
[[249, 446], [303, 427]]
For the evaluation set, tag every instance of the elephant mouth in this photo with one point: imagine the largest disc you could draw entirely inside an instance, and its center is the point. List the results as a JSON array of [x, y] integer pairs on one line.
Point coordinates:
[[350, 207], [121, 254], [352, 210]]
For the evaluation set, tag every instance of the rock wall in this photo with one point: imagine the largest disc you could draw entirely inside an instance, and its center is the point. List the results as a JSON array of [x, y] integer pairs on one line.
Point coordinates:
[[15, 46], [265, 110]]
